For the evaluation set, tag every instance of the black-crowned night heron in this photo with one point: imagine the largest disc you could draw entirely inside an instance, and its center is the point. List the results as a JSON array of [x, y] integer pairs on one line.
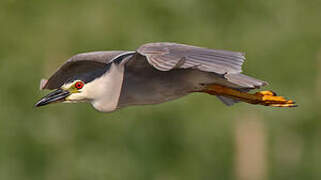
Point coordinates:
[[155, 73]]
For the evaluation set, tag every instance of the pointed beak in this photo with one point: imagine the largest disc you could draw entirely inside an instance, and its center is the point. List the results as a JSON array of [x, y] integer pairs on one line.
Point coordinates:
[[58, 95]]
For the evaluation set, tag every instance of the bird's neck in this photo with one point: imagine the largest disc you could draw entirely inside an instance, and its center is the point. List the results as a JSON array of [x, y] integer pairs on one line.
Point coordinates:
[[107, 89]]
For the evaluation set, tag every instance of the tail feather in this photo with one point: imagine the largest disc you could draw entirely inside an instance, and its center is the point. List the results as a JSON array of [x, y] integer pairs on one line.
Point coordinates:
[[227, 101]]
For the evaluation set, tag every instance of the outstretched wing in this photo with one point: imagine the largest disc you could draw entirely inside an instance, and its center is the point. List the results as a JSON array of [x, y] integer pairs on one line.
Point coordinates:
[[168, 56]]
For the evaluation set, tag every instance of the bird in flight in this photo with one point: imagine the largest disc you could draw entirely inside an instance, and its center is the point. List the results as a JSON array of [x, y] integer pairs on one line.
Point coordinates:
[[153, 74]]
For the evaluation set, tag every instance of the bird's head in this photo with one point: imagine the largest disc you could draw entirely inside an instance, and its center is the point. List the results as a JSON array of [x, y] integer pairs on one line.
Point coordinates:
[[75, 91], [89, 77]]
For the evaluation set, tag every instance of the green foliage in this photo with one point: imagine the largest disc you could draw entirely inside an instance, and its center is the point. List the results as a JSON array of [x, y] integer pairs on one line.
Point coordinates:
[[190, 138]]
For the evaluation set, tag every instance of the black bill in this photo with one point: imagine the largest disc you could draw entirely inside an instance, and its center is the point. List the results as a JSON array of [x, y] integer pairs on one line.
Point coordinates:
[[58, 95]]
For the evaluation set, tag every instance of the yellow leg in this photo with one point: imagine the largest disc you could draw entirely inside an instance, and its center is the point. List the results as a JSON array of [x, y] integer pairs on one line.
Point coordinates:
[[266, 98]]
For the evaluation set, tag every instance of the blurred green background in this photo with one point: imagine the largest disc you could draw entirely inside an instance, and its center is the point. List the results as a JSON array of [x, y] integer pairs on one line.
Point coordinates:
[[195, 137]]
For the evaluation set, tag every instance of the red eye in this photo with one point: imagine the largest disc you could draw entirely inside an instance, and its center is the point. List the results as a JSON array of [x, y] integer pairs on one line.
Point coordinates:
[[79, 85]]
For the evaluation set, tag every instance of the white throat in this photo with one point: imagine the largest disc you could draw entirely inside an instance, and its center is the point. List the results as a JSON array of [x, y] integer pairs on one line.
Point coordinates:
[[106, 89]]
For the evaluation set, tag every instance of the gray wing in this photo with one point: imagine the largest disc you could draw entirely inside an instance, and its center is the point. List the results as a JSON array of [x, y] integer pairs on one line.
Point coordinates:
[[167, 56]]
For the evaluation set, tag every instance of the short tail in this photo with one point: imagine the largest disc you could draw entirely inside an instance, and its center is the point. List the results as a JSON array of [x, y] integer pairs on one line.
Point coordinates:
[[266, 98]]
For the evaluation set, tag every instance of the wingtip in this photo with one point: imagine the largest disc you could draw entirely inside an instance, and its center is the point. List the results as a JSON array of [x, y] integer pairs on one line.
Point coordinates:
[[43, 84]]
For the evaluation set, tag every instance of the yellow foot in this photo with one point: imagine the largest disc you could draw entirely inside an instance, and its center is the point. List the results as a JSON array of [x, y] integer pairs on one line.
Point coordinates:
[[269, 98], [271, 93]]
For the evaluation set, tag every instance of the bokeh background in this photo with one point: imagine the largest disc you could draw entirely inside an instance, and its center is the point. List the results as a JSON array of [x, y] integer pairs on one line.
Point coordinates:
[[195, 137]]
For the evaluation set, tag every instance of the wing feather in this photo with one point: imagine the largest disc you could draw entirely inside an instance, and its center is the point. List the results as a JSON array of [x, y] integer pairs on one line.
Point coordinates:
[[167, 56]]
